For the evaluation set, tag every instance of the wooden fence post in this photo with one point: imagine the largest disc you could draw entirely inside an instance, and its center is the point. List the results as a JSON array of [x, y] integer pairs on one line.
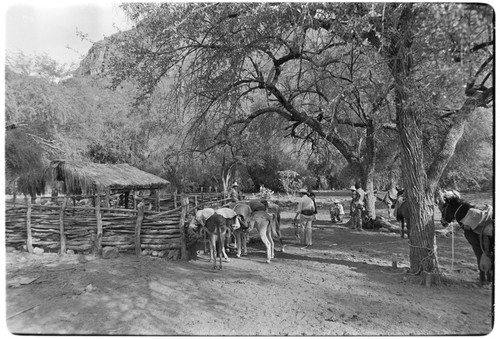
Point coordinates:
[[138, 226], [98, 241], [184, 209], [29, 240], [107, 199], [61, 226], [157, 200]]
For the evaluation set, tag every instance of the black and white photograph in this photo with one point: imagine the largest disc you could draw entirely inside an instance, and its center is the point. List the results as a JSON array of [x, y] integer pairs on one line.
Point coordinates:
[[249, 169]]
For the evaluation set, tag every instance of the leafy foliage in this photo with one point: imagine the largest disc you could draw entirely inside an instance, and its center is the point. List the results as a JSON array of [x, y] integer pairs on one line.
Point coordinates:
[[203, 90]]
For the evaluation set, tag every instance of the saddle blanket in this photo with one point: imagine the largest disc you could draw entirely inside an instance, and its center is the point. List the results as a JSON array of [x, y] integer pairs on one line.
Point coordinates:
[[203, 215], [229, 214], [480, 221]]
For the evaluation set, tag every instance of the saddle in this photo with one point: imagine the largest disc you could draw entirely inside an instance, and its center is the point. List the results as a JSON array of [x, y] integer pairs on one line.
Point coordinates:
[[479, 220]]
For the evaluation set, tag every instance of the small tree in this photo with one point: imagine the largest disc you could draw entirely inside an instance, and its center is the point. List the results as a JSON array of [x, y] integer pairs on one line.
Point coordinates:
[[290, 181]]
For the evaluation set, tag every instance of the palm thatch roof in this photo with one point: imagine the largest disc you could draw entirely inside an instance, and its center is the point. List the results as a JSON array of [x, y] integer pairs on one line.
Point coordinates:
[[88, 178]]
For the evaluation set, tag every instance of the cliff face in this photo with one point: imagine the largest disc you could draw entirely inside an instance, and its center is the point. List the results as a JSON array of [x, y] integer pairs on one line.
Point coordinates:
[[95, 61]]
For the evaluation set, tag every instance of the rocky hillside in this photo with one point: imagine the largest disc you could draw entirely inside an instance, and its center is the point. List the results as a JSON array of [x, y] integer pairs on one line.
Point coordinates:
[[95, 61]]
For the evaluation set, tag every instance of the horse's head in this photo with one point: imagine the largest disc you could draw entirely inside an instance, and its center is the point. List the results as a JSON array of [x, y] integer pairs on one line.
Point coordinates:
[[449, 208], [193, 224], [400, 190], [441, 196], [200, 217]]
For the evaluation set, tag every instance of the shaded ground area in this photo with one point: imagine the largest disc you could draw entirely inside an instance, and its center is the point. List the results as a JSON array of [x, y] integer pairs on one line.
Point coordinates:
[[342, 285]]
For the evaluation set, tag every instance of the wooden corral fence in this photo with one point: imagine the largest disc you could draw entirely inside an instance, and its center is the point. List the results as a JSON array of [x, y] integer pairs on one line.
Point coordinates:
[[61, 225]]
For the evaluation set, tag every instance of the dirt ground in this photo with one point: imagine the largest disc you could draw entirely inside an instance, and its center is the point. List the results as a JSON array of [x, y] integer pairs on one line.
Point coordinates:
[[344, 284]]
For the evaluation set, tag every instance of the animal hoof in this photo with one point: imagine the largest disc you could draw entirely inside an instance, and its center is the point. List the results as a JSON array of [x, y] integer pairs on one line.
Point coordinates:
[[238, 255], [268, 261], [226, 260]]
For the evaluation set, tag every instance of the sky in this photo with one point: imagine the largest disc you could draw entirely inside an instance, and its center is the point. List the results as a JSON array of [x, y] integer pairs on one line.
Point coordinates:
[[50, 27]]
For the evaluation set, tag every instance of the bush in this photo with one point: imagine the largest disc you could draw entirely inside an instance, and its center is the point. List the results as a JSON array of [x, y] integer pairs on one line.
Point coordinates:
[[290, 181]]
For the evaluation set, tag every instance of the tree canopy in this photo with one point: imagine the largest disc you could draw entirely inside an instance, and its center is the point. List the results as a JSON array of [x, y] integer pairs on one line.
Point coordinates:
[[213, 81]]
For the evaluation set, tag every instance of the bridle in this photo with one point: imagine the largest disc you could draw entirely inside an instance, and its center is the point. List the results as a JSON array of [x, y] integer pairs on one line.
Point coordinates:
[[455, 215]]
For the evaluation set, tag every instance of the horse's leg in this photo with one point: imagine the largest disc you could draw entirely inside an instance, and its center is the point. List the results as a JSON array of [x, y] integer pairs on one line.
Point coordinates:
[[489, 249], [213, 249], [226, 259], [402, 228], [221, 244], [270, 238], [238, 235], [263, 236], [473, 240], [244, 236], [278, 231]]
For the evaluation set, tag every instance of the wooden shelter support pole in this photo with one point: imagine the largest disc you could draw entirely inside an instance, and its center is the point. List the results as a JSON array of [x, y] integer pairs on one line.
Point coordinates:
[[175, 199], [126, 194], [61, 226], [184, 209], [107, 199], [98, 216], [29, 238], [138, 226], [157, 200]]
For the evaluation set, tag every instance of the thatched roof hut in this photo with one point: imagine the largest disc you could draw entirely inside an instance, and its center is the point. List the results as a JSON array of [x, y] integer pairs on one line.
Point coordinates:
[[81, 177]]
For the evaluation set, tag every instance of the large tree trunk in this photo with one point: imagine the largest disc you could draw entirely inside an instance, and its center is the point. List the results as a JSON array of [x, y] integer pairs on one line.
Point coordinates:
[[369, 169], [423, 256]]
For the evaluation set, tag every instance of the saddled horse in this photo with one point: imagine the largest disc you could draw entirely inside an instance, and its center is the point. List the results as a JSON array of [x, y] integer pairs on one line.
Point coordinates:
[[246, 214], [217, 229], [217, 226], [389, 198], [265, 225], [478, 230]]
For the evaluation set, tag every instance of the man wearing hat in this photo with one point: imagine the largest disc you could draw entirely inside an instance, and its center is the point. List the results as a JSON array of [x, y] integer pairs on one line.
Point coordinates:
[[337, 211], [305, 209], [357, 206], [234, 194]]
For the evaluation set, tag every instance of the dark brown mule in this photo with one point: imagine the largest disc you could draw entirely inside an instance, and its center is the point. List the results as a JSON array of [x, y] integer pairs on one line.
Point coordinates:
[[478, 229], [216, 227]]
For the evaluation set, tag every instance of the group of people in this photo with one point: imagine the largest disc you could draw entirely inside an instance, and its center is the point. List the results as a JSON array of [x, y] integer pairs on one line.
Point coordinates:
[[306, 211]]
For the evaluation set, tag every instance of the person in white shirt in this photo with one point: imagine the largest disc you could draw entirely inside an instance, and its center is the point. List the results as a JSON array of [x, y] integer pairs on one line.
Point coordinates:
[[305, 209], [337, 212]]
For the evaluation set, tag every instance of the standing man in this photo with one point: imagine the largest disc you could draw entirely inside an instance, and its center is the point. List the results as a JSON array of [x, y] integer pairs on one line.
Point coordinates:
[[234, 195], [305, 209], [357, 206]]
